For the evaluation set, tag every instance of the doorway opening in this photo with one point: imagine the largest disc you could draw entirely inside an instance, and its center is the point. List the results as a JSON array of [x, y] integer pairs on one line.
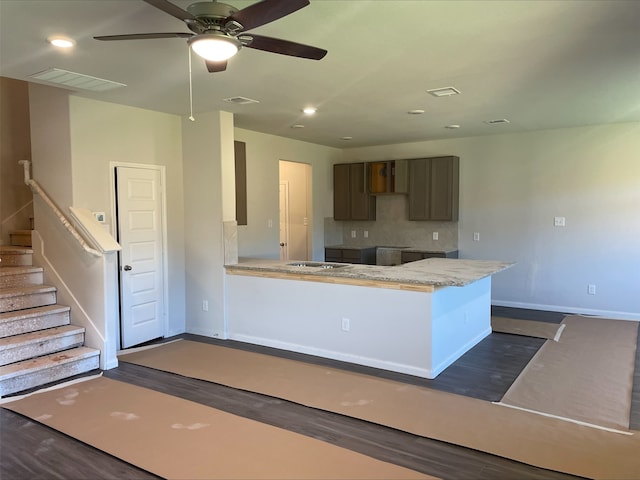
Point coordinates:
[[295, 211]]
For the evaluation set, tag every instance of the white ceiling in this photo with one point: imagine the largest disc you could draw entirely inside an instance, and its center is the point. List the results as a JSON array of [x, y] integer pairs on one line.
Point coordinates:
[[540, 64]]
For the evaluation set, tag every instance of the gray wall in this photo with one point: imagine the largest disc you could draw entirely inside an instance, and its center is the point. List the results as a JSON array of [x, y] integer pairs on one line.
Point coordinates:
[[511, 188]]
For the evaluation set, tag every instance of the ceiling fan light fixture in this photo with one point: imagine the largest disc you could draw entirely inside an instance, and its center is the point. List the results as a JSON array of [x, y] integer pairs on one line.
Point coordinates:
[[215, 47], [61, 42]]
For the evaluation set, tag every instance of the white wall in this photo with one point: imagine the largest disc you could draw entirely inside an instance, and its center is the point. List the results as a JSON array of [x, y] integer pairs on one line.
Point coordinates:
[[51, 142], [208, 160], [102, 133], [511, 188], [15, 145], [264, 152]]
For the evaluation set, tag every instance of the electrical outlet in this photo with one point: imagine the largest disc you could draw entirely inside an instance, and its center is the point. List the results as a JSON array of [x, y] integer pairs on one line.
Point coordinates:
[[366, 234], [591, 289], [476, 236], [205, 305], [558, 221], [353, 234], [346, 324], [435, 235], [269, 223]]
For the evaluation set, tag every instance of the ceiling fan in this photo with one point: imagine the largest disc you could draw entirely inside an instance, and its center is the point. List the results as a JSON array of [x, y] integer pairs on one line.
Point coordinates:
[[219, 30]]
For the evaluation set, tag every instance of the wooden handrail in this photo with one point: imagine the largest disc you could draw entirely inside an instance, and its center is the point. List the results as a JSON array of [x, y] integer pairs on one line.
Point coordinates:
[[36, 188]]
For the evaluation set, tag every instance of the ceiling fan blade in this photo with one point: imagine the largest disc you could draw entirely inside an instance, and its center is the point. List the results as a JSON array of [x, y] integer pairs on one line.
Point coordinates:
[[171, 9], [214, 67], [283, 47], [144, 36], [265, 12]]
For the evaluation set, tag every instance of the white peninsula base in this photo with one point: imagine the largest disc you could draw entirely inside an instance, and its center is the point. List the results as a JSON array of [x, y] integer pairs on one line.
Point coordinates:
[[414, 332]]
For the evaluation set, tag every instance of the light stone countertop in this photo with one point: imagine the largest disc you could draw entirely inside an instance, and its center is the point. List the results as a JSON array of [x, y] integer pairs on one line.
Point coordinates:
[[440, 272]]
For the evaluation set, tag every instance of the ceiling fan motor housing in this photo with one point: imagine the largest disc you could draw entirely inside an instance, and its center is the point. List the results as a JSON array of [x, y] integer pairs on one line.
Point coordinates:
[[211, 13]]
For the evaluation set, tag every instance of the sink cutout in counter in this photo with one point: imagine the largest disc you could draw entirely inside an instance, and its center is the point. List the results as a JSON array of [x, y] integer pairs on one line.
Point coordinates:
[[317, 265]]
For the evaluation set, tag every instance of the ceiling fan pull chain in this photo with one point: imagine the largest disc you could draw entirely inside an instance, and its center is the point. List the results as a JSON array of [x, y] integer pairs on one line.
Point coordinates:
[[190, 88]]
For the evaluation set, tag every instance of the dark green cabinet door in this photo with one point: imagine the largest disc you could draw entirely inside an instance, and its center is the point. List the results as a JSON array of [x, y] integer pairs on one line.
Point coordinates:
[[433, 188], [362, 204], [419, 180], [351, 200], [341, 192], [444, 188]]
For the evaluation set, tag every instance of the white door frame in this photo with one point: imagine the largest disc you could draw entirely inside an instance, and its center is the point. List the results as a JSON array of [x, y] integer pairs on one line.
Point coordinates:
[[284, 250], [114, 233]]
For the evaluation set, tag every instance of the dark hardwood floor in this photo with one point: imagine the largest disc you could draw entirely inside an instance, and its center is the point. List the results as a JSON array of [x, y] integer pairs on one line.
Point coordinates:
[[30, 450]]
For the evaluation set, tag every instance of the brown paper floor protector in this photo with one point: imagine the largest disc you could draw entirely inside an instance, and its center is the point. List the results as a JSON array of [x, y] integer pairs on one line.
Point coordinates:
[[178, 439], [587, 376], [529, 328], [519, 435]]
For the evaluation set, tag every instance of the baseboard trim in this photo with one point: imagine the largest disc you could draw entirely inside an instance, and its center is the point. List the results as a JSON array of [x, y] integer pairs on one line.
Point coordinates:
[[618, 315], [438, 369], [343, 357]]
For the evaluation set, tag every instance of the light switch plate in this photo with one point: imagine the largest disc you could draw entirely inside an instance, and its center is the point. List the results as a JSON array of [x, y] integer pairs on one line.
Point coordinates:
[[558, 221], [435, 235]]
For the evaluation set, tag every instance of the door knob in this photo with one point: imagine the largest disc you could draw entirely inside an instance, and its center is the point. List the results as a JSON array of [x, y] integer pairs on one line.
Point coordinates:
[[282, 244], [127, 268]]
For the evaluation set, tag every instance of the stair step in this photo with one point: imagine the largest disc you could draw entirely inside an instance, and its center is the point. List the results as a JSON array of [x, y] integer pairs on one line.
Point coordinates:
[[20, 276], [20, 238], [20, 298], [33, 319], [49, 368], [36, 344], [12, 255]]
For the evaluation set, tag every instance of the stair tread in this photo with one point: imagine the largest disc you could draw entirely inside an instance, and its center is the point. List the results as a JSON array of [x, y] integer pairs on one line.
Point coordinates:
[[26, 290], [39, 336], [33, 312], [35, 364], [12, 249], [18, 270]]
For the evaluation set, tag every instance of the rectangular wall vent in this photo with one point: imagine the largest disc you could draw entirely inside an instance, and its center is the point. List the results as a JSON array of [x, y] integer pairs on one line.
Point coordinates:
[[77, 81], [444, 92], [497, 121], [240, 100]]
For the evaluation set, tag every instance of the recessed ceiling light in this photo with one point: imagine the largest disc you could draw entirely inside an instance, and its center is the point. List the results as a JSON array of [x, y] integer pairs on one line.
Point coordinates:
[[297, 125], [309, 110], [444, 92], [62, 42], [416, 112], [453, 126], [497, 121]]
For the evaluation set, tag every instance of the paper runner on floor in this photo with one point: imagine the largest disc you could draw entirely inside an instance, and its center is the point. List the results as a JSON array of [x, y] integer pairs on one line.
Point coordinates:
[[523, 436]]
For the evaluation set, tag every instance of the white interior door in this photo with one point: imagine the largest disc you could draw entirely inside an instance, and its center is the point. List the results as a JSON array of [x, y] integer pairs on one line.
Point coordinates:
[[140, 233], [284, 221]]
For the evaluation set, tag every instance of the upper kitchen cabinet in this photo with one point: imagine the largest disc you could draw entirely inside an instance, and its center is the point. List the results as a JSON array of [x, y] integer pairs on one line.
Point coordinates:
[[433, 188], [351, 199], [389, 176]]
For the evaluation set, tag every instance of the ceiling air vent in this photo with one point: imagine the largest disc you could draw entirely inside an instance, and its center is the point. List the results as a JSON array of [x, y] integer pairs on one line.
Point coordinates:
[[76, 81], [240, 100], [444, 92], [497, 121]]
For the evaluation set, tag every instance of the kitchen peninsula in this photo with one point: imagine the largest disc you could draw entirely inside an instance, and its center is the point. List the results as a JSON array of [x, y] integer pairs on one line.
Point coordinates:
[[416, 318]]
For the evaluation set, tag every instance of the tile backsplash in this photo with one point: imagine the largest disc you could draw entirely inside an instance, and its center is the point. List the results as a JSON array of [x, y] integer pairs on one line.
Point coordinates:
[[392, 228]]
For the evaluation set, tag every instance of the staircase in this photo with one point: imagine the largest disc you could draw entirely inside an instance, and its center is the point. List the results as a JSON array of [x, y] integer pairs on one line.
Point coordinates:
[[37, 343]]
